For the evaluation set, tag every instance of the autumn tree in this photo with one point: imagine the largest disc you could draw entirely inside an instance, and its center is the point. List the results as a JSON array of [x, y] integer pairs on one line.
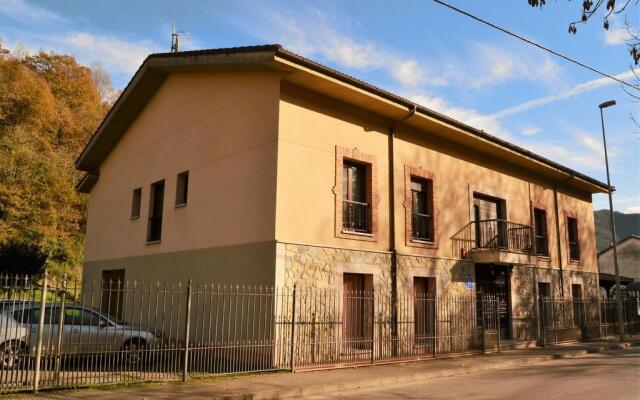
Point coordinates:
[[49, 106]]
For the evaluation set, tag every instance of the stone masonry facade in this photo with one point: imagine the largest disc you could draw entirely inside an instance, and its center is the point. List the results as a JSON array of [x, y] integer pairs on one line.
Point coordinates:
[[316, 267]]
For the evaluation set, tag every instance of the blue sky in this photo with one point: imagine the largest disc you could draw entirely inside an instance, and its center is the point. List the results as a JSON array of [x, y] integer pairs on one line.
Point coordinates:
[[414, 48]]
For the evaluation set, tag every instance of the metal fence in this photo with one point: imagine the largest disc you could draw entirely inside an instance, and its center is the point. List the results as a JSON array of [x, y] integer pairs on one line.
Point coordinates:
[[563, 320], [59, 334]]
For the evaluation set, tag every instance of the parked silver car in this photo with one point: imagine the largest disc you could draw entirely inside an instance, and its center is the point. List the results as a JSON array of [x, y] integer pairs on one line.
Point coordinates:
[[84, 331]]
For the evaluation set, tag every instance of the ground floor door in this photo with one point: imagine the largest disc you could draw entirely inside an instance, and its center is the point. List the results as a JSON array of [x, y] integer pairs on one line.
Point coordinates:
[[493, 280], [357, 303], [424, 300]]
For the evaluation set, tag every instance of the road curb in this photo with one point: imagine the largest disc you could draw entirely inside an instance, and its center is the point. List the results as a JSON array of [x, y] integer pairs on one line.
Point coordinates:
[[301, 392], [383, 381]]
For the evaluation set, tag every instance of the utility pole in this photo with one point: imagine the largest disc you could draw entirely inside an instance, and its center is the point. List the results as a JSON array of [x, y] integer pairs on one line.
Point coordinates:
[[612, 224]]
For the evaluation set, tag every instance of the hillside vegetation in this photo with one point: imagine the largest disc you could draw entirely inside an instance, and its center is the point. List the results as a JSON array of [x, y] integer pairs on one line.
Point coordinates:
[[626, 225], [49, 107]]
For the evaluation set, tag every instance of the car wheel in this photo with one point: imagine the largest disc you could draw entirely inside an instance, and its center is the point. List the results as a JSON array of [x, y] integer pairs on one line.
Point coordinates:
[[12, 353], [133, 351]]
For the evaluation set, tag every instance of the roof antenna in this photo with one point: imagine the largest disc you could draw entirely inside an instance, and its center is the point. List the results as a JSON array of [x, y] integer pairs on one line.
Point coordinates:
[[175, 39]]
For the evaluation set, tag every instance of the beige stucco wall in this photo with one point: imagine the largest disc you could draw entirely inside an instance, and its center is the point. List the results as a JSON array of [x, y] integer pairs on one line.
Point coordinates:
[[220, 127], [628, 259], [310, 128]]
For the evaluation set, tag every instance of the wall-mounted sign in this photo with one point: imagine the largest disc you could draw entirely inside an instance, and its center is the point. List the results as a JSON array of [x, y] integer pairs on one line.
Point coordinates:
[[468, 283]]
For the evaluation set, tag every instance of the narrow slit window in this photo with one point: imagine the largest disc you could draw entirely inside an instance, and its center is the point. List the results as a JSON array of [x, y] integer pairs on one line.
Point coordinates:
[[156, 201], [135, 203], [574, 243], [182, 188]]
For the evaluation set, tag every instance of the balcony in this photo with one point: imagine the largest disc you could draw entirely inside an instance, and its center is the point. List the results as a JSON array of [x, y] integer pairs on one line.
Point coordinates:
[[495, 241], [355, 217]]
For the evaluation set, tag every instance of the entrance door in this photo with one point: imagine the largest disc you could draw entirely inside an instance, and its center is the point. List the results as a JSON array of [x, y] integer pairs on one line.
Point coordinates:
[[112, 293], [493, 280], [357, 303], [424, 290], [544, 306], [578, 317]]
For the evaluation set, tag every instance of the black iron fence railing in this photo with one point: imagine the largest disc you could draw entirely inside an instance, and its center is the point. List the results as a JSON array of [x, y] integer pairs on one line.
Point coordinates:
[[421, 227], [59, 334], [355, 216], [493, 234]]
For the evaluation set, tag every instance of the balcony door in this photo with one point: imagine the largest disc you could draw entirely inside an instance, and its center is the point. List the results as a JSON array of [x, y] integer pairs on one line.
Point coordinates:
[[489, 214]]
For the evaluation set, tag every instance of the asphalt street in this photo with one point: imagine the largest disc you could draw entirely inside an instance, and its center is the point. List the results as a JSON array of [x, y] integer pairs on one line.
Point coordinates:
[[613, 375]]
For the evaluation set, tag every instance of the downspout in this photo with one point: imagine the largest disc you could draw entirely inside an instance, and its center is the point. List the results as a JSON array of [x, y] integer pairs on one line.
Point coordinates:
[[558, 239], [392, 231]]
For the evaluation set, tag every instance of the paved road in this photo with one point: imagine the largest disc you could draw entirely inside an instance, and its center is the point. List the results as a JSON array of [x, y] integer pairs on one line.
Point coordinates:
[[612, 375]]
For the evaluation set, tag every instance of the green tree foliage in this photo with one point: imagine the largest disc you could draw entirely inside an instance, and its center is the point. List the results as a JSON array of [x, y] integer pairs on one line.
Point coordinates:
[[49, 106]]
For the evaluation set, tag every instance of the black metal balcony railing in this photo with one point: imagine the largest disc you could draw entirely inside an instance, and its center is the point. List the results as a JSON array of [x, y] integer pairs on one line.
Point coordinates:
[[355, 216], [421, 227], [542, 246], [493, 234], [574, 251]]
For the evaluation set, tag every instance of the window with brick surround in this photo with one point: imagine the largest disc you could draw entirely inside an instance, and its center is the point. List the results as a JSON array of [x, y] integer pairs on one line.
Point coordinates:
[[355, 209], [356, 196], [421, 209], [542, 239], [574, 242]]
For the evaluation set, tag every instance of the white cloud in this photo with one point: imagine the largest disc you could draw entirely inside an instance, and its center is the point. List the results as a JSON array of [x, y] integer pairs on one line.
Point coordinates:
[[315, 36], [617, 35], [114, 53], [408, 73], [494, 65], [572, 92], [530, 131], [633, 210], [25, 12]]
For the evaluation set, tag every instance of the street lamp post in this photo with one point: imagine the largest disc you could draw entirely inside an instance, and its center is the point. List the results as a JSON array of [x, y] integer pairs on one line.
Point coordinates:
[[612, 224]]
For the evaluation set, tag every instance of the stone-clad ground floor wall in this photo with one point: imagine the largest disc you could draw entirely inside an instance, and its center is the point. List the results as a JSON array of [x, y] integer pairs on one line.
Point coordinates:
[[309, 266]]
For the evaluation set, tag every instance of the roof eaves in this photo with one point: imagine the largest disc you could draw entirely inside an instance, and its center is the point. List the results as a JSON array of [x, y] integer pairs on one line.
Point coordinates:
[[435, 114]]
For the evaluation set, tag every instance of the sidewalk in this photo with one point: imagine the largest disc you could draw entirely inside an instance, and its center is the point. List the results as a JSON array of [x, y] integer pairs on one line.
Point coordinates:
[[302, 384]]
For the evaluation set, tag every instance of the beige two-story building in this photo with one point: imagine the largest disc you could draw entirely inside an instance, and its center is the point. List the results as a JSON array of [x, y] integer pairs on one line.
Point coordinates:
[[254, 165]]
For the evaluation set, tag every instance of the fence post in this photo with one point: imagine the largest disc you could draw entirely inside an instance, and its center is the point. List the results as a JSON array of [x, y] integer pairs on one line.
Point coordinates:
[[606, 321], [435, 326], [43, 300], [373, 325], [293, 331], [63, 298], [496, 307], [553, 321], [543, 321], [482, 327], [187, 324], [585, 326]]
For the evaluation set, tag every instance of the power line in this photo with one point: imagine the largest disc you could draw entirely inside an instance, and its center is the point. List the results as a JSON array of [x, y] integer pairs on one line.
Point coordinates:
[[524, 39]]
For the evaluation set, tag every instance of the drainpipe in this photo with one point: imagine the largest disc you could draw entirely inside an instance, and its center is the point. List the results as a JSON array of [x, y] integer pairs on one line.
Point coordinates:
[[558, 239], [392, 231]]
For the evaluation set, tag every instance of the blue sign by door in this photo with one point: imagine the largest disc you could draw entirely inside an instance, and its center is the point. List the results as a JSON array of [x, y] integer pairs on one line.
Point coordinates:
[[468, 283]]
